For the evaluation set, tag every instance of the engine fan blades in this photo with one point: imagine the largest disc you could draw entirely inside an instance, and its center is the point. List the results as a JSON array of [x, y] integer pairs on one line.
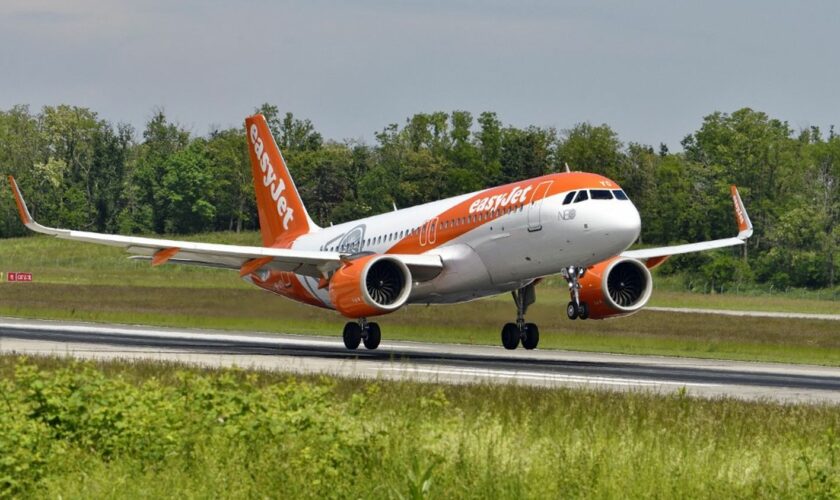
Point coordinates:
[[384, 284], [625, 285]]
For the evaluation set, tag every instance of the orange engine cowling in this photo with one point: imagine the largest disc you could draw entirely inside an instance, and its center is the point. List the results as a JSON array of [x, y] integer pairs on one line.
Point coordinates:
[[616, 287], [370, 285]]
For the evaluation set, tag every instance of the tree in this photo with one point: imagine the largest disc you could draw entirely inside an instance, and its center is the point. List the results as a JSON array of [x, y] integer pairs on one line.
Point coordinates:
[[145, 208], [465, 172], [21, 148], [184, 190], [527, 152], [591, 148], [233, 187], [749, 149], [489, 139]]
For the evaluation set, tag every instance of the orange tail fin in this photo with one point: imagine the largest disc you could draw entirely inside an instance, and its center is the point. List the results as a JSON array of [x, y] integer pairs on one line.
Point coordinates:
[[282, 214]]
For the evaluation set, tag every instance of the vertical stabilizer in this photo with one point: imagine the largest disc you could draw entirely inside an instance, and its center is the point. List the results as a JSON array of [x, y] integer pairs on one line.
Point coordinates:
[[282, 214]]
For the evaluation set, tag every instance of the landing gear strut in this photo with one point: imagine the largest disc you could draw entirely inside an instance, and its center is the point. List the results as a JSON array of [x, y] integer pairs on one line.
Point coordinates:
[[356, 332], [527, 333], [575, 308]]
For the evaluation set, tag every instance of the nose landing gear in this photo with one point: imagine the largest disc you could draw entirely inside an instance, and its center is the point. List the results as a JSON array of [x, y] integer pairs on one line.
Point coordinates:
[[356, 332], [575, 308], [527, 333]]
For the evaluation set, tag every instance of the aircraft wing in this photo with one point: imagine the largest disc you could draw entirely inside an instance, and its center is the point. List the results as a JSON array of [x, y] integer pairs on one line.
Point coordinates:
[[655, 256], [245, 259]]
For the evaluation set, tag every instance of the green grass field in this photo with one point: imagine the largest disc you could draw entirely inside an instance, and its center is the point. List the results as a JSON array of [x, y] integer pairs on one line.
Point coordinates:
[[92, 283], [128, 430]]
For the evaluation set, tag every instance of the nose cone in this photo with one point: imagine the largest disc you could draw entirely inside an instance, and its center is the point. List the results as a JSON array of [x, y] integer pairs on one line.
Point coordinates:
[[626, 225]]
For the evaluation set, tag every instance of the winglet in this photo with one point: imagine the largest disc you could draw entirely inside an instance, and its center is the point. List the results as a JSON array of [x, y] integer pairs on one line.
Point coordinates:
[[745, 227], [23, 212], [21, 206]]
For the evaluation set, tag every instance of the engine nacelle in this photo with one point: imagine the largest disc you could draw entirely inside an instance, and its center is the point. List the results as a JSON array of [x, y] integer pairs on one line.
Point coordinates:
[[616, 287], [370, 285]]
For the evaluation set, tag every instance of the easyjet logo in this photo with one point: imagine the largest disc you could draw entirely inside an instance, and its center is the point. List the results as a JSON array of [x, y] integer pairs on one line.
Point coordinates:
[[738, 212], [516, 195], [270, 179]]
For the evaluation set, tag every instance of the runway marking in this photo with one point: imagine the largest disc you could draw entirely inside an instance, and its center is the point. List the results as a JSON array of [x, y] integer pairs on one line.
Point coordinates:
[[547, 377], [752, 314], [146, 332]]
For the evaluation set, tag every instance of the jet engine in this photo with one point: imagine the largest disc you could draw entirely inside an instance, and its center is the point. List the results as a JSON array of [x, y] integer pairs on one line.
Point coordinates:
[[370, 285], [617, 287]]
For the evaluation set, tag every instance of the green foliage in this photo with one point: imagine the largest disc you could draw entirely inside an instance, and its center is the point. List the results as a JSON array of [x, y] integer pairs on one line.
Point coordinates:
[[123, 430], [78, 410], [80, 171]]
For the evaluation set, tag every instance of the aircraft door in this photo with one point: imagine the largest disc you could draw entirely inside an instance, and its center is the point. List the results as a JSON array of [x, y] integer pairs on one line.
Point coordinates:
[[535, 206], [433, 224], [428, 232]]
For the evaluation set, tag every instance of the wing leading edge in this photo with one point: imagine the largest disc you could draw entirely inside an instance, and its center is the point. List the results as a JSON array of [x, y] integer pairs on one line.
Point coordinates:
[[245, 259], [655, 256]]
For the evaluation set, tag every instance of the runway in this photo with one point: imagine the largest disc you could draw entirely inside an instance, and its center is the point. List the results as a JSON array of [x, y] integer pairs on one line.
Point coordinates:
[[449, 363]]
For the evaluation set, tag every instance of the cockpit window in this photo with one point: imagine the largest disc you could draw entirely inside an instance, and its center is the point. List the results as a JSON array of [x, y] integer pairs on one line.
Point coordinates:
[[619, 194], [581, 196], [569, 198], [601, 194]]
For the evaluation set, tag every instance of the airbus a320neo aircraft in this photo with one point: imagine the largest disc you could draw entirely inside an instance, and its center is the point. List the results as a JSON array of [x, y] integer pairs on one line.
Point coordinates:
[[503, 239]]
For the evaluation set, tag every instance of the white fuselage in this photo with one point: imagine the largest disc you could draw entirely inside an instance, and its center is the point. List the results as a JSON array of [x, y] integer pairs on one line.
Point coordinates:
[[539, 238]]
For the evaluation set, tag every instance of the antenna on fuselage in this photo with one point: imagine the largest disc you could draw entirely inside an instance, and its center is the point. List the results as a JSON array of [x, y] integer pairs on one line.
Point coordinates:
[[394, 203], [568, 170]]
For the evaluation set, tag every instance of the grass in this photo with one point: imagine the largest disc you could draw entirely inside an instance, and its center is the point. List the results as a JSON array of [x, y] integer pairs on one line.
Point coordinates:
[[648, 332], [90, 283], [141, 429]]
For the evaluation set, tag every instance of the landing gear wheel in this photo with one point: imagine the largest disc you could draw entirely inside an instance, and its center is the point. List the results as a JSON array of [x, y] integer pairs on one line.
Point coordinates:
[[374, 336], [531, 336], [583, 312], [572, 310], [510, 336], [352, 335]]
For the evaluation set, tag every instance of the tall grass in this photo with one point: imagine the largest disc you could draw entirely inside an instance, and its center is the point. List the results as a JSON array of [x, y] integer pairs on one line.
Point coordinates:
[[125, 430]]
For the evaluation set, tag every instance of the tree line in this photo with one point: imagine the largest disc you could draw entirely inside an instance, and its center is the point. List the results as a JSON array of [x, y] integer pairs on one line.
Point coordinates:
[[81, 171]]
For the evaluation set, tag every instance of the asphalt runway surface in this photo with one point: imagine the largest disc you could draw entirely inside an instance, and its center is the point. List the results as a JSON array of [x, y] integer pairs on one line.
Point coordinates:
[[448, 363]]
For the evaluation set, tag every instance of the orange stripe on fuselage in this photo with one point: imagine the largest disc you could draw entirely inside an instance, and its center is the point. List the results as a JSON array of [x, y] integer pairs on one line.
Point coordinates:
[[491, 204]]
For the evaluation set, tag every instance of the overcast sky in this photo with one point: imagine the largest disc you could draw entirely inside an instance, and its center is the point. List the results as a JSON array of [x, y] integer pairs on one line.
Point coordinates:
[[649, 69]]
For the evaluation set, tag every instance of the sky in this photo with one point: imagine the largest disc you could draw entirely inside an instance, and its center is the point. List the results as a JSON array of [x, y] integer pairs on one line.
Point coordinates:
[[650, 69]]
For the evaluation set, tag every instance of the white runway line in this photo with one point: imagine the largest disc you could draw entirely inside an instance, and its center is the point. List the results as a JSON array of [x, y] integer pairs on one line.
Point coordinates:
[[163, 334], [751, 314], [553, 377]]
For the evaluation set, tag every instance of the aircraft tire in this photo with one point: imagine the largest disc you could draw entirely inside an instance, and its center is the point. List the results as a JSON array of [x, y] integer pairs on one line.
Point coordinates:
[[572, 310], [352, 335], [531, 337], [583, 313], [374, 336], [510, 336]]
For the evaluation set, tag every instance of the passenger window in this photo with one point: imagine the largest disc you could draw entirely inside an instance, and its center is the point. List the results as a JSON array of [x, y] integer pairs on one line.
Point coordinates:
[[569, 197], [600, 194], [581, 196], [619, 194]]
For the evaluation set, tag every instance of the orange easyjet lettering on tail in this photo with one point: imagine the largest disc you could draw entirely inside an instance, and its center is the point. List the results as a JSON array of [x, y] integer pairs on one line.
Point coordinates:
[[281, 211]]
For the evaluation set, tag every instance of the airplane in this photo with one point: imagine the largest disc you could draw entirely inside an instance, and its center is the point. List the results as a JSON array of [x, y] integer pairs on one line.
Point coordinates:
[[497, 240]]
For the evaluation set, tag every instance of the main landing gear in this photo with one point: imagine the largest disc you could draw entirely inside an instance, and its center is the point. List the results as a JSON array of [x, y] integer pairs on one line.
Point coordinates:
[[527, 333], [356, 332], [575, 308]]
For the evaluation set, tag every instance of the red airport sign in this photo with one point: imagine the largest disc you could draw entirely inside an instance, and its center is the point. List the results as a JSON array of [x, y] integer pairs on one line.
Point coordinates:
[[19, 276]]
